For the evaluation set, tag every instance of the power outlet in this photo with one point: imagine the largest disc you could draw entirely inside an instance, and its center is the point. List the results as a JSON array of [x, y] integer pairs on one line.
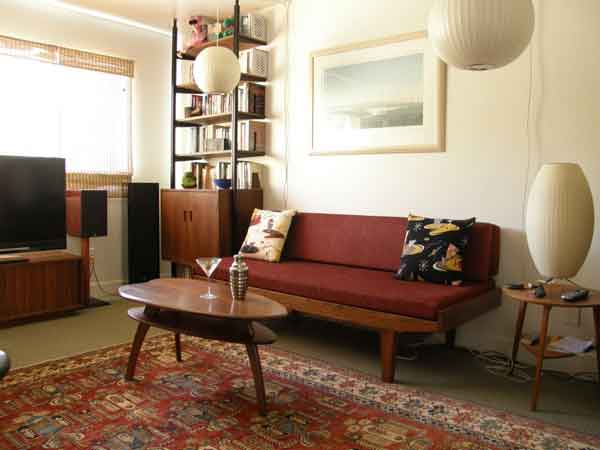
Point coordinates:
[[92, 255]]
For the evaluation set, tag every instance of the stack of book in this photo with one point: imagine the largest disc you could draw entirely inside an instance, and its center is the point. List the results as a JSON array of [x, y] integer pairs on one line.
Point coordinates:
[[244, 174], [252, 136], [251, 98]]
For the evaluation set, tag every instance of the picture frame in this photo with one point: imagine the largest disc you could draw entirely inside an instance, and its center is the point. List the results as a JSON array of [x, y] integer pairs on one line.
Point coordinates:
[[380, 96]]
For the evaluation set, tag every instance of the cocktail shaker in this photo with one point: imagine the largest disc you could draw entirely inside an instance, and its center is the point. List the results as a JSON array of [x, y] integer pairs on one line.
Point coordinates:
[[238, 278]]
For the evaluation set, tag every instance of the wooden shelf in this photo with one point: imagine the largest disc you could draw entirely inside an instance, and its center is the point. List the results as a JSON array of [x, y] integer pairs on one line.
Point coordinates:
[[246, 43], [548, 354], [191, 88], [224, 154], [215, 119]]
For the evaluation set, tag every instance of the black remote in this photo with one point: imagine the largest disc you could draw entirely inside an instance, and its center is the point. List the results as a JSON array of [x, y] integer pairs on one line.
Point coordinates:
[[575, 296], [515, 286]]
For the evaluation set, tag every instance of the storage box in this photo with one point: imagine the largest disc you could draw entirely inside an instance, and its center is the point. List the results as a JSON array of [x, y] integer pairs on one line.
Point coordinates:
[[254, 26], [255, 62]]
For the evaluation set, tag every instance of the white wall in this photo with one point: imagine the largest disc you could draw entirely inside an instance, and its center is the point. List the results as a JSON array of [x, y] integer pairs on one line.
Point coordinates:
[[40, 21], [483, 173]]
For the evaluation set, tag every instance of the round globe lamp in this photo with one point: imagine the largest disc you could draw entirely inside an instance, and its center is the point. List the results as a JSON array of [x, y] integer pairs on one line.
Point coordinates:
[[217, 70], [480, 34], [560, 220]]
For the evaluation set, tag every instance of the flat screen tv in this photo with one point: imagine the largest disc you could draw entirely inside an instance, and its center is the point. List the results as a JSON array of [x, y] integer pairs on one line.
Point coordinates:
[[32, 204]]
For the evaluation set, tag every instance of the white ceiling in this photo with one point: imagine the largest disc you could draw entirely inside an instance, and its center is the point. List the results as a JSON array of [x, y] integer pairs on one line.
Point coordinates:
[[160, 13]]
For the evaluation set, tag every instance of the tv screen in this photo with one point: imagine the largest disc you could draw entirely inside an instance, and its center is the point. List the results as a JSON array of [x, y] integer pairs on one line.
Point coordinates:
[[32, 203]]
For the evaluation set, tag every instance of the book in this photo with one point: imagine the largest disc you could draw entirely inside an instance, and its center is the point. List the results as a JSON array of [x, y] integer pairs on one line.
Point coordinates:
[[570, 344]]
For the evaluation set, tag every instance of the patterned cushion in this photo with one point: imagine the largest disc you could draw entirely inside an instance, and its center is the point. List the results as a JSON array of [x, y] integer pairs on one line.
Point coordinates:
[[434, 250], [266, 234]]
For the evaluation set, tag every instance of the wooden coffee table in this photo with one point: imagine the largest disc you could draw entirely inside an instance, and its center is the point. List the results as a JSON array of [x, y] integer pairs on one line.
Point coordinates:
[[176, 304]]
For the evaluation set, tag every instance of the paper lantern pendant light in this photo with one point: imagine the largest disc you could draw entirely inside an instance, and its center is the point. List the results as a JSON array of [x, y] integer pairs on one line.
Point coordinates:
[[480, 34], [217, 70], [560, 220]]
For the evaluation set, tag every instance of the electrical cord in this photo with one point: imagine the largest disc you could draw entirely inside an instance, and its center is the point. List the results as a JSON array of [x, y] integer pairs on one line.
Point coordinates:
[[501, 365], [94, 274]]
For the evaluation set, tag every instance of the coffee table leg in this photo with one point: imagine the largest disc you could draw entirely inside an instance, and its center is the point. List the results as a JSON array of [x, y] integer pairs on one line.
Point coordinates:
[[138, 340], [259, 383], [540, 358], [518, 334], [597, 327], [178, 347]]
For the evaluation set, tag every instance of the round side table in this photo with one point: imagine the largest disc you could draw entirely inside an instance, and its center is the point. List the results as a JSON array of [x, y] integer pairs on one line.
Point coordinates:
[[552, 300]]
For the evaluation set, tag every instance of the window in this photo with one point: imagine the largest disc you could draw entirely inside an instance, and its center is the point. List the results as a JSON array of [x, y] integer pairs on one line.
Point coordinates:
[[65, 103]]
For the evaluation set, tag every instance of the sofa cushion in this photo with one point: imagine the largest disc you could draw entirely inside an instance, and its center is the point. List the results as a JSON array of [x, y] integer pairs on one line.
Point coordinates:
[[434, 250], [360, 241], [266, 234], [376, 243], [354, 286]]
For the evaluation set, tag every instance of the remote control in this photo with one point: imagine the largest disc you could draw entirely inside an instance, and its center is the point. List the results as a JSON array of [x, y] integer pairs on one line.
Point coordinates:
[[575, 296], [515, 286]]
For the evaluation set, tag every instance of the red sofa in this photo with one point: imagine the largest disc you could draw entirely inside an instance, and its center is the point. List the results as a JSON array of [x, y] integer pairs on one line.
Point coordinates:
[[341, 267]]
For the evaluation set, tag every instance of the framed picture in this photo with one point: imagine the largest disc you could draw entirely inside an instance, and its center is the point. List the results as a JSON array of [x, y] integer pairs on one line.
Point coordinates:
[[384, 96]]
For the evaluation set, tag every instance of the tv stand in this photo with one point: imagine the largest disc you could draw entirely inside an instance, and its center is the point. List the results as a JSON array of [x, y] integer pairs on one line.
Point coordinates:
[[11, 258], [45, 284]]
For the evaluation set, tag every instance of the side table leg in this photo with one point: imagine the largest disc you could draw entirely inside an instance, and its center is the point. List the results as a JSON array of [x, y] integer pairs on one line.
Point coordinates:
[[259, 383], [518, 335], [540, 357], [597, 327], [178, 347], [140, 334]]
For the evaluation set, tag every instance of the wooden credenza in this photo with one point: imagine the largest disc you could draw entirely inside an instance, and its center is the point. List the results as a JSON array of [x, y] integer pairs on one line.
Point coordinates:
[[198, 223], [48, 283]]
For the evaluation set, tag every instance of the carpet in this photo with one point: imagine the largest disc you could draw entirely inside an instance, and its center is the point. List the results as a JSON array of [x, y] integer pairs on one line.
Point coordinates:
[[207, 403]]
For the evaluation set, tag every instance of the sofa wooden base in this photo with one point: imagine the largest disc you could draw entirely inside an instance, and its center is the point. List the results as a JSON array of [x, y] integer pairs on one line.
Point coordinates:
[[389, 325]]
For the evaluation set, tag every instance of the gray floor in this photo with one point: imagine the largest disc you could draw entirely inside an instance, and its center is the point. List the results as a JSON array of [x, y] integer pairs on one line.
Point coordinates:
[[454, 373]]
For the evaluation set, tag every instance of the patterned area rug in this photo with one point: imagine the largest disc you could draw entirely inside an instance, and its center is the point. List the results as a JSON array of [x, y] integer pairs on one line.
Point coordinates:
[[207, 403]]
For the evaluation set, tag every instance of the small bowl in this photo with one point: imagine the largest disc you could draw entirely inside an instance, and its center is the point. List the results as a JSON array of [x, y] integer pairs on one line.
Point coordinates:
[[223, 183]]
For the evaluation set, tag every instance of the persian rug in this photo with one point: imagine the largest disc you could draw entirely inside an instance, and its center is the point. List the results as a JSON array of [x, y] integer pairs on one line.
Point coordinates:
[[207, 402]]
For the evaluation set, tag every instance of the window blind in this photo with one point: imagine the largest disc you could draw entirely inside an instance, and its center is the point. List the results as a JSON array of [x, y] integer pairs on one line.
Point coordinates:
[[68, 103], [65, 56]]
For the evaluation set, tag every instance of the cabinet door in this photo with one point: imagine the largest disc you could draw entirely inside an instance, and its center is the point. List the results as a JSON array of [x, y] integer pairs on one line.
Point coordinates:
[[203, 225], [174, 232]]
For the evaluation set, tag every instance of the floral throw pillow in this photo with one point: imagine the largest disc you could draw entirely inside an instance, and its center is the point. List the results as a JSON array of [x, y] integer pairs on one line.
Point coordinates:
[[434, 250], [266, 234]]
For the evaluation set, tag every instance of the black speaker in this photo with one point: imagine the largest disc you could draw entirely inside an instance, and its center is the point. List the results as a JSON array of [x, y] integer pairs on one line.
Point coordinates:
[[143, 232], [86, 213]]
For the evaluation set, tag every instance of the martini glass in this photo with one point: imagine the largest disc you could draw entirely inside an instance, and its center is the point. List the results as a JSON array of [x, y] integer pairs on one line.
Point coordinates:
[[208, 266]]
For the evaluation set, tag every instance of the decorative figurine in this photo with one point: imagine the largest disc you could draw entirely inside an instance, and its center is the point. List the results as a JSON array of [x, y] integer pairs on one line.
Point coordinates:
[[238, 278], [199, 32]]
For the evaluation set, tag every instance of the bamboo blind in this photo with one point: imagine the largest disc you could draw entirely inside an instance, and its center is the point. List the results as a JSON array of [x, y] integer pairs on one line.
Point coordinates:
[[115, 185], [65, 56]]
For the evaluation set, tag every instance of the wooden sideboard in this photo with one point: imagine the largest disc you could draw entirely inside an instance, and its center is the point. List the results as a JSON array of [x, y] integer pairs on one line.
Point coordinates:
[[47, 283], [198, 222]]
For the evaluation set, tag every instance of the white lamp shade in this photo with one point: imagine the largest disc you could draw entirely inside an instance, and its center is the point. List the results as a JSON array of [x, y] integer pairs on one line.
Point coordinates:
[[560, 220], [480, 34], [217, 70]]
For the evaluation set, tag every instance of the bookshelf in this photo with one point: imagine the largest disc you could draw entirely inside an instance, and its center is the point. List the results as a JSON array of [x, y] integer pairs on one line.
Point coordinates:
[[224, 154], [241, 202], [236, 43]]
